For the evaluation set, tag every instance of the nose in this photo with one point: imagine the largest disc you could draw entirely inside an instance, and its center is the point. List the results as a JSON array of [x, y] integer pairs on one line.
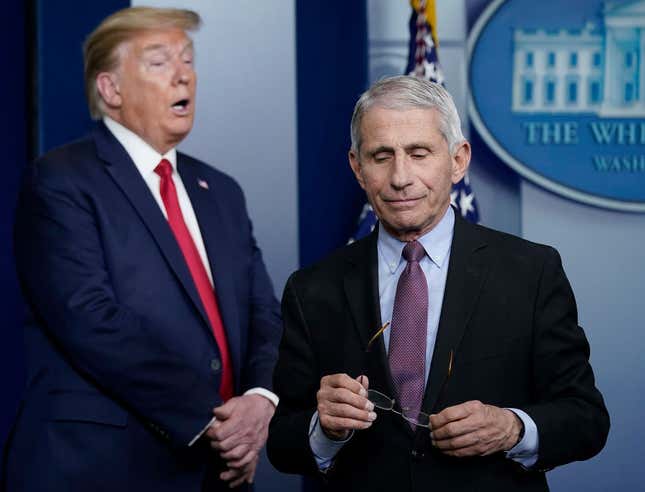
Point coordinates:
[[184, 72], [400, 176]]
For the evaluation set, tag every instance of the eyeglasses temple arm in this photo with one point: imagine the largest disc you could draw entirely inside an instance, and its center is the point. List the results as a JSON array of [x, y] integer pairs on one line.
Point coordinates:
[[376, 335]]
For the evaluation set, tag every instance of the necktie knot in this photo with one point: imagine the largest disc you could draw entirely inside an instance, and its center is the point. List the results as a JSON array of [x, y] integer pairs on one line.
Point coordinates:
[[413, 252], [164, 168]]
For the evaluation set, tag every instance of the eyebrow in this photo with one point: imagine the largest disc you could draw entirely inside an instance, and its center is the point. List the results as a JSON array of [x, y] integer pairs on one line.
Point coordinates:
[[160, 46], [418, 145], [380, 149]]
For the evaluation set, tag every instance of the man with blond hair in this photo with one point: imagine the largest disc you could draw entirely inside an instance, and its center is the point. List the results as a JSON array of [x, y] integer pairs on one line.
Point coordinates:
[[153, 325]]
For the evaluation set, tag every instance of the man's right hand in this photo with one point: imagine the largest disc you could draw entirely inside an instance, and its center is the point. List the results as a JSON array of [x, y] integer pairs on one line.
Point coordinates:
[[343, 405]]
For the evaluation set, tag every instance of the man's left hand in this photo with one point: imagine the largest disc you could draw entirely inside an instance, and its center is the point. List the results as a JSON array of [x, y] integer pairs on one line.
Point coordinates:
[[474, 429], [241, 429], [237, 476]]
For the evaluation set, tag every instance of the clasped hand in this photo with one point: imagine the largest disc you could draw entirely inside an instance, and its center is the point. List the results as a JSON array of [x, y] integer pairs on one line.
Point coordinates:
[[238, 434]]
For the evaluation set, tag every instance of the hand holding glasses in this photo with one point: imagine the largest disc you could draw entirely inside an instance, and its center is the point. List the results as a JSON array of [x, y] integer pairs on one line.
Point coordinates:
[[384, 402]]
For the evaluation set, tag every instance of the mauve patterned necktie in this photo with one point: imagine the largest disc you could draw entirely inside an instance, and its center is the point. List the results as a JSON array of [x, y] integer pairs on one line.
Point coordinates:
[[407, 352]]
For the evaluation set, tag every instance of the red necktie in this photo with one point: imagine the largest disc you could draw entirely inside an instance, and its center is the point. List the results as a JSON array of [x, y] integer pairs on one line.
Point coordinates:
[[197, 271]]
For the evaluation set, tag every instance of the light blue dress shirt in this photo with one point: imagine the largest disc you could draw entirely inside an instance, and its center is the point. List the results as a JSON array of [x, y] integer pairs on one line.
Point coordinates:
[[391, 264]]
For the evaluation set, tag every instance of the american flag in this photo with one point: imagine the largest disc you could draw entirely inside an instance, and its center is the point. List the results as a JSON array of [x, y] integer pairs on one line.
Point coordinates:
[[423, 61]]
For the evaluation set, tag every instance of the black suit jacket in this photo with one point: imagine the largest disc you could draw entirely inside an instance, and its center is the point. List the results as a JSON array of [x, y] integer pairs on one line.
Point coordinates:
[[509, 317]]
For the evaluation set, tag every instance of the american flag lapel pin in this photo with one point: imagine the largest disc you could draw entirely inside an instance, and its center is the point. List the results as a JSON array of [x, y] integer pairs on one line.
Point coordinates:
[[202, 184]]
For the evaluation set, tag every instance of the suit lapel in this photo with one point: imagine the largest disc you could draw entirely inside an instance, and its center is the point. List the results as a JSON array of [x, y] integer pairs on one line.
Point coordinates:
[[467, 271], [216, 239], [361, 287], [125, 174], [362, 297]]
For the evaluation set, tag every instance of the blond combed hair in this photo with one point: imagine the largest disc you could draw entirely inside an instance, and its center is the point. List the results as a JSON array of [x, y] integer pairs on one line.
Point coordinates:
[[100, 50]]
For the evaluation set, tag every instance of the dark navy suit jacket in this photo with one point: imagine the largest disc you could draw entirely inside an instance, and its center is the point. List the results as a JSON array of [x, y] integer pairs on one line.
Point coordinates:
[[123, 370]]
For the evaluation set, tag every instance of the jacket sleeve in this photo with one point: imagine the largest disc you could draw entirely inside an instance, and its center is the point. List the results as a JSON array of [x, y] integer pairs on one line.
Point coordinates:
[[64, 278], [569, 412], [295, 375]]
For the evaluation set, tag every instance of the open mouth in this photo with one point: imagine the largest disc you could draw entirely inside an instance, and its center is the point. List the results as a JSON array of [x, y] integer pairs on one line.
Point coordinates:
[[181, 106]]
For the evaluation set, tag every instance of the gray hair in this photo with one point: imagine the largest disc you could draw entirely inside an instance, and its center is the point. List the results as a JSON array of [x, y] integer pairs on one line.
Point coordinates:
[[407, 92]]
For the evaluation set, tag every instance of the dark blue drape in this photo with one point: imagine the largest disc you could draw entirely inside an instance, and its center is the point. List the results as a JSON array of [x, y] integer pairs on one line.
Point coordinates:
[[331, 40], [13, 139], [61, 28]]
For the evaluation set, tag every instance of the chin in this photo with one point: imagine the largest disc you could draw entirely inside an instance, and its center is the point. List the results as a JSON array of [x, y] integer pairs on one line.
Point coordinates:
[[181, 124], [407, 224], [178, 133], [397, 228]]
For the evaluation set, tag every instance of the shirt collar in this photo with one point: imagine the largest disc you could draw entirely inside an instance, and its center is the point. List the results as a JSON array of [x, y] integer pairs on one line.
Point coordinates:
[[436, 243], [142, 154]]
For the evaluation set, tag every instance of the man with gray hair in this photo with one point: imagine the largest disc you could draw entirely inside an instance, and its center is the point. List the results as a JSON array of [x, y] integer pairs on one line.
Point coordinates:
[[153, 326], [434, 354]]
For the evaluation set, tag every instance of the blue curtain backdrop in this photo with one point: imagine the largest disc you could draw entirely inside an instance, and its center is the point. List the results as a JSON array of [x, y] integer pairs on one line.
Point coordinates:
[[13, 139], [62, 26], [331, 40]]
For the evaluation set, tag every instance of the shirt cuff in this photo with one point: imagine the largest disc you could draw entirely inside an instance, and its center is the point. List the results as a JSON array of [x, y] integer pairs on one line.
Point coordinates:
[[525, 452], [324, 448], [269, 395]]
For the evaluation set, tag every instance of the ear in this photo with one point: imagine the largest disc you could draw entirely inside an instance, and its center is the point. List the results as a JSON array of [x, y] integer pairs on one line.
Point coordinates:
[[107, 83], [355, 164], [460, 161]]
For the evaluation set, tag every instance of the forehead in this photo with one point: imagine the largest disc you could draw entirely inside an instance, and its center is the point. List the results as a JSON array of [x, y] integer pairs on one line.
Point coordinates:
[[162, 39], [382, 125]]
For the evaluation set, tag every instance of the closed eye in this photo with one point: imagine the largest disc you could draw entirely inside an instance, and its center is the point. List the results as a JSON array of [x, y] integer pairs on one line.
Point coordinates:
[[158, 61], [419, 155], [381, 155], [419, 152]]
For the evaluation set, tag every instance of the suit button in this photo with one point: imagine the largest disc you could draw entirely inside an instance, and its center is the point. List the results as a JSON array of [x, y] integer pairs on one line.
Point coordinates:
[[216, 365], [417, 454]]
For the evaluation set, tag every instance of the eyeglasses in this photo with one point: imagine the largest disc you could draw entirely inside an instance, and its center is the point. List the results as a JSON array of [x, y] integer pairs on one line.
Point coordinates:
[[384, 402]]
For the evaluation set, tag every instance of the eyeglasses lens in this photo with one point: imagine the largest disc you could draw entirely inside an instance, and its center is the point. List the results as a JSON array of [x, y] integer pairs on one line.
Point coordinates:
[[380, 400]]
